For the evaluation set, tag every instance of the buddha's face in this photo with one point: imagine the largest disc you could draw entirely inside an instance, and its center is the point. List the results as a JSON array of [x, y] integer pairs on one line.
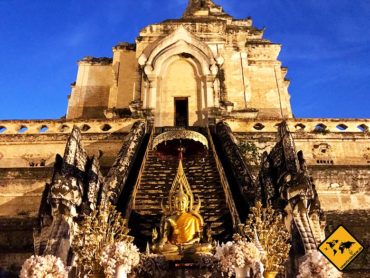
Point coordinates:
[[182, 204]]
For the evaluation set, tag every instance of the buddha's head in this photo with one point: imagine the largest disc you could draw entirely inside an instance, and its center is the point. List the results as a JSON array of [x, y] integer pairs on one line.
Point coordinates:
[[181, 201]]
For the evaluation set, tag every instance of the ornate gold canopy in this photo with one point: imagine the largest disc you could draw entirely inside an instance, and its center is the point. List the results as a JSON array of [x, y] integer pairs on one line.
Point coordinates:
[[180, 134]]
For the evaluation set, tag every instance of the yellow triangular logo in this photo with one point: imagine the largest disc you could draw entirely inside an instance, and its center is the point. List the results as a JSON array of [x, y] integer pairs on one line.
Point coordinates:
[[341, 248]]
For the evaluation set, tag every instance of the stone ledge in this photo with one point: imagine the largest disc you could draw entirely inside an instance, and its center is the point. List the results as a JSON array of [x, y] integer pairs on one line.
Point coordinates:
[[101, 61], [316, 126], [87, 126]]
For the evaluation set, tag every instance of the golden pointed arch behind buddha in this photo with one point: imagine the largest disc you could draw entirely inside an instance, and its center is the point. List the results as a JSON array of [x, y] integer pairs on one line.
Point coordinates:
[[180, 191], [181, 227]]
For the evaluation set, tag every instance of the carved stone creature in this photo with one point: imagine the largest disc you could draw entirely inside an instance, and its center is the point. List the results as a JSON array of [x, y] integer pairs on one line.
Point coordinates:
[[74, 189], [65, 196], [77, 189], [286, 184]]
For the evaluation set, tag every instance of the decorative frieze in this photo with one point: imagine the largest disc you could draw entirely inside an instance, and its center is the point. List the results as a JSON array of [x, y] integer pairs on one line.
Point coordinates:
[[301, 125], [322, 153], [36, 159], [47, 127]]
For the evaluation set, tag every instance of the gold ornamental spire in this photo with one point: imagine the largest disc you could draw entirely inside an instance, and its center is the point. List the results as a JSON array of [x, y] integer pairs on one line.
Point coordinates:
[[180, 186]]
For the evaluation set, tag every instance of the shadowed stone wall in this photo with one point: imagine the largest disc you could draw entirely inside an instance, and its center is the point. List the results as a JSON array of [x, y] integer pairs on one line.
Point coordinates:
[[357, 222]]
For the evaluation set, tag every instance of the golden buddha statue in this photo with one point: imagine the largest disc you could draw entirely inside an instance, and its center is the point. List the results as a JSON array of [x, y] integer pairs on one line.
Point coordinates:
[[181, 226], [186, 225]]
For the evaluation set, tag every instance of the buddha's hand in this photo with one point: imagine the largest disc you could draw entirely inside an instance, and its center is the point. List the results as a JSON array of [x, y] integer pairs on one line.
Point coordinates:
[[173, 223], [194, 240]]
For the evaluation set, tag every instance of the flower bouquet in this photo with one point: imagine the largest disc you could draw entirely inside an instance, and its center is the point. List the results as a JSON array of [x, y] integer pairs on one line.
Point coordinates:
[[314, 264], [104, 227], [266, 228], [237, 254], [119, 258], [43, 267]]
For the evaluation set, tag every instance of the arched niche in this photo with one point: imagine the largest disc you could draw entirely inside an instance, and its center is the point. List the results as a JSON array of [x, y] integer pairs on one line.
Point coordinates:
[[180, 80], [179, 56]]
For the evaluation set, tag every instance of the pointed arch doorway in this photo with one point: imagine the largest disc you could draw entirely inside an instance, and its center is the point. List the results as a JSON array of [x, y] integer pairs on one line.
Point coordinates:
[[180, 98], [181, 111], [179, 65]]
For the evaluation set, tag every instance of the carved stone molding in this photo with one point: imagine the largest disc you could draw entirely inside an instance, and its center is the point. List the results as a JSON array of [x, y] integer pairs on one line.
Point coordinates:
[[322, 151], [34, 159]]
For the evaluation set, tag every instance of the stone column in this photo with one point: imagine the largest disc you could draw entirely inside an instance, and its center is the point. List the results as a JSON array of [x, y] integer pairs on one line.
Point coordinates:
[[216, 91], [138, 84], [145, 94], [210, 97], [152, 95], [210, 92]]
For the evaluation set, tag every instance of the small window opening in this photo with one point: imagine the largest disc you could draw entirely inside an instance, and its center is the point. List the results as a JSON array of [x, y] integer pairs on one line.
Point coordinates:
[[85, 127], [43, 129], [342, 127], [22, 129], [106, 127], [363, 128], [258, 126]]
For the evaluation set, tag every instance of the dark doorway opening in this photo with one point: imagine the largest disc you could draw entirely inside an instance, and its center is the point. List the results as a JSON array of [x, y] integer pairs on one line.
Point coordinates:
[[181, 112]]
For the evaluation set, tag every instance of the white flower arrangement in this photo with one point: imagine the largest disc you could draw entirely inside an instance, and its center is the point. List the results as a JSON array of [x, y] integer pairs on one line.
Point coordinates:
[[124, 254], [316, 265], [238, 253], [44, 267]]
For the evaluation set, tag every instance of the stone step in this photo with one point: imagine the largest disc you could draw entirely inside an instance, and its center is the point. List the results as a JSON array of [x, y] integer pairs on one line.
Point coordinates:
[[156, 182]]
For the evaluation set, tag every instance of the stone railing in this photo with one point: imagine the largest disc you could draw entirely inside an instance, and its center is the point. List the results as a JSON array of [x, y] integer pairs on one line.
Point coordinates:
[[225, 185], [131, 204], [315, 125], [14, 127]]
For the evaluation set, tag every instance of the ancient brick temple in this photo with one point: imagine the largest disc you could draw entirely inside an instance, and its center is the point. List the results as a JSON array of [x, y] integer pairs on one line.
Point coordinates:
[[213, 84]]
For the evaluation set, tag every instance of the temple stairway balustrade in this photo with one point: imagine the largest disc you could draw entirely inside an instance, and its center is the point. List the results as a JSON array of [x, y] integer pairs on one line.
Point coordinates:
[[154, 183]]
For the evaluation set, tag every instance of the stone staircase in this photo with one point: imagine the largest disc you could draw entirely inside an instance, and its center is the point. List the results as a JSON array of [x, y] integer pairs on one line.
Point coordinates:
[[156, 181]]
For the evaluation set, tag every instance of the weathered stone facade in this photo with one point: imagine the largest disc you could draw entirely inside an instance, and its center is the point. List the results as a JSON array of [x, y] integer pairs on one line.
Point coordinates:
[[224, 64], [231, 80], [336, 160]]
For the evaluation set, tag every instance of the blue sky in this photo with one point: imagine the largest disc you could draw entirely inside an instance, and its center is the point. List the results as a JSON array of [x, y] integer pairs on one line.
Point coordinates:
[[326, 46]]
